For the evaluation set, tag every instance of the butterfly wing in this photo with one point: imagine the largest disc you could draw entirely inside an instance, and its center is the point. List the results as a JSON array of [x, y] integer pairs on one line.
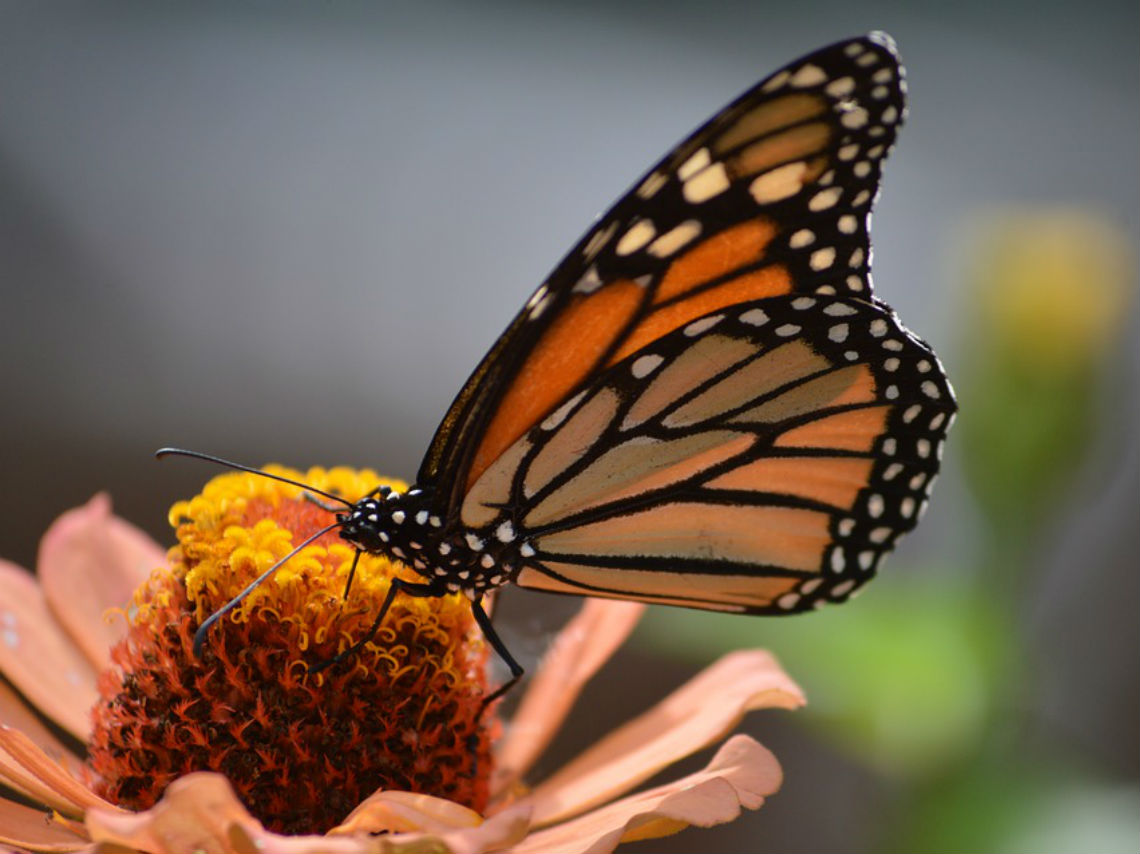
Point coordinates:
[[771, 197], [760, 459]]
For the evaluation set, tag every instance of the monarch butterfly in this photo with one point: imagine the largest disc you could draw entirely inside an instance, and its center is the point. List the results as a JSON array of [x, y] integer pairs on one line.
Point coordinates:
[[704, 404]]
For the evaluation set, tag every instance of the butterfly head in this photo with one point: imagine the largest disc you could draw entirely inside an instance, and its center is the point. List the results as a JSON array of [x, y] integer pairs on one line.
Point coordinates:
[[376, 522], [401, 526]]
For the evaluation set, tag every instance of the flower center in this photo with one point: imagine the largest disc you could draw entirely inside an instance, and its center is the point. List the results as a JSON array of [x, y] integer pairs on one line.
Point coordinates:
[[301, 749]]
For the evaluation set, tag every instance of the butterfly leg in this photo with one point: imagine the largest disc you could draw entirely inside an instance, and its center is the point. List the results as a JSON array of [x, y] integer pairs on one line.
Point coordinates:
[[497, 644], [352, 575], [398, 585]]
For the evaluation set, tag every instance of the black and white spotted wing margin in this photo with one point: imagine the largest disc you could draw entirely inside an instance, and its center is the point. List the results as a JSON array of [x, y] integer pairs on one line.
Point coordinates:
[[759, 460]]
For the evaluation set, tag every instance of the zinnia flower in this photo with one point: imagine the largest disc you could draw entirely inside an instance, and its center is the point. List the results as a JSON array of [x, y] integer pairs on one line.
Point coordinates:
[[243, 749]]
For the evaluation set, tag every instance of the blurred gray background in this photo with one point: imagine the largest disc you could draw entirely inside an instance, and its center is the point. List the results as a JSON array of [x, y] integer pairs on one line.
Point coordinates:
[[287, 232]]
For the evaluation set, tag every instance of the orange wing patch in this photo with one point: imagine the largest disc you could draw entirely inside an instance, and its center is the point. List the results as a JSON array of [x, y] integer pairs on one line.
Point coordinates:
[[843, 387], [565, 355], [855, 430], [717, 256], [769, 116], [637, 467], [795, 144], [771, 281], [749, 535], [715, 591], [829, 480]]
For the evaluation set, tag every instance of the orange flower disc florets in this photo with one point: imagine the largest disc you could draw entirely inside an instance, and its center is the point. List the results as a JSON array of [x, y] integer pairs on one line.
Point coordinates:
[[300, 749]]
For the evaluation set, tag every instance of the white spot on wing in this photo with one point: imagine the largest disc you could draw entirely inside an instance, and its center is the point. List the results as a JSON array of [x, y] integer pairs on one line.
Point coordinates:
[[843, 588], [780, 183], [788, 601], [541, 306], [821, 259], [777, 81], [599, 239], [839, 88], [638, 234], [854, 118], [651, 185], [754, 317], [825, 199], [589, 282], [698, 327], [706, 184], [674, 239], [808, 75], [643, 366], [801, 238], [698, 161]]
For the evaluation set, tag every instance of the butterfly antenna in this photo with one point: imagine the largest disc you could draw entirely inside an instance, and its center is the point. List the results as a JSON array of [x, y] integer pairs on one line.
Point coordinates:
[[200, 635], [210, 458]]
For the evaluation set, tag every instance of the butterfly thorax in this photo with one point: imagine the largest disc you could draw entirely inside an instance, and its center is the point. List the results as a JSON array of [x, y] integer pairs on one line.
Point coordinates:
[[402, 526]]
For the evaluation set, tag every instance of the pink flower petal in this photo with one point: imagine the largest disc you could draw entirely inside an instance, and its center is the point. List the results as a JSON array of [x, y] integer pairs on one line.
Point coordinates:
[[27, 767], [742, 774], [38, 658], [457, 827], [89, 562], [698, 714], [581, 648], [15, 714], [403, 812], [200, 812], [31, 828], [496, 833]]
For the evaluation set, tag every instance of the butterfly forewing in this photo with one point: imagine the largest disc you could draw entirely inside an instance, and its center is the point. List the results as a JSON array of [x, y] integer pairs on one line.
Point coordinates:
[[771, 197], [760, 459]]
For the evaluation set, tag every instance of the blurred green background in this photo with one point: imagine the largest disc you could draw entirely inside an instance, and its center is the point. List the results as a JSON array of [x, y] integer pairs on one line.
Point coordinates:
[[288, 231]]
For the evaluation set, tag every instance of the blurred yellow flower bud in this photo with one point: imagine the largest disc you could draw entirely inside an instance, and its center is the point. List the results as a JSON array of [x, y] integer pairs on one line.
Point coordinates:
[[1051, 286]]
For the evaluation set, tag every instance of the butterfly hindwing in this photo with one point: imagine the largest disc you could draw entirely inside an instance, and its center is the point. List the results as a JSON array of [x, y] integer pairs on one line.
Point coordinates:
[[771, 197], [760, 459]]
